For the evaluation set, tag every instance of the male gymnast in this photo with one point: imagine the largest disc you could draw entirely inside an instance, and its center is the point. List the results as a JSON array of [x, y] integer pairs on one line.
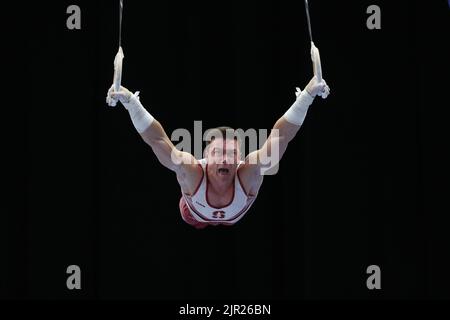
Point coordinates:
[[220, 188]]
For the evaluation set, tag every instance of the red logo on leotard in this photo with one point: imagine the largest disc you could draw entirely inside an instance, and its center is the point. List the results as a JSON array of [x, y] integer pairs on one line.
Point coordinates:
[[218, 214]]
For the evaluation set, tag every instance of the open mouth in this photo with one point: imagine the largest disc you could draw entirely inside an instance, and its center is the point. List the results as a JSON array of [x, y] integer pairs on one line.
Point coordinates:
[[223, 171]]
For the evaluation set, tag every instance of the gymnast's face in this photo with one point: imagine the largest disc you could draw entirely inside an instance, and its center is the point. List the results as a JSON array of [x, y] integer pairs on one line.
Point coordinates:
[[223, 156]]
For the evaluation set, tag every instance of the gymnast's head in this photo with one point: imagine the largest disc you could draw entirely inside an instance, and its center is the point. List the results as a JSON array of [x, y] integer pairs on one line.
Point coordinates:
[[222, 152]]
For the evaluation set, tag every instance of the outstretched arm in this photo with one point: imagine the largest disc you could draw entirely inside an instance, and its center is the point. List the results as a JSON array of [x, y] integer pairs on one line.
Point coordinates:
[[151, 131], [289, 124], [165, 151], [282, 133]]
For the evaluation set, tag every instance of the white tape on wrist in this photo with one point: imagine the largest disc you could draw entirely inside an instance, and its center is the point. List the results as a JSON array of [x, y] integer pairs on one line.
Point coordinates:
[[140, 117], [297, 112]]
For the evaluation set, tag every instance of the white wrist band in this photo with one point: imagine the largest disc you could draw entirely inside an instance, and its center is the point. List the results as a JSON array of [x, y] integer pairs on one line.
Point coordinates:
[[297, 112], [139, 116]]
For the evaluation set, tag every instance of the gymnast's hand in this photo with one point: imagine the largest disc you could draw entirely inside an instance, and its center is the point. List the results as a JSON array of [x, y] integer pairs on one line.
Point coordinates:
[[315, 88], [140, 117], [124, 96]]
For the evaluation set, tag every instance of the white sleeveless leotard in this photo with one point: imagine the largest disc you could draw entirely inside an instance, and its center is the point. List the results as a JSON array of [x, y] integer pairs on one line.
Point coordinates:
[[203, 211]]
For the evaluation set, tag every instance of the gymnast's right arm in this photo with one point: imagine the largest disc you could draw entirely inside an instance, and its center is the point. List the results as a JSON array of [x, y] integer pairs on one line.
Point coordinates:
[[151, 131]]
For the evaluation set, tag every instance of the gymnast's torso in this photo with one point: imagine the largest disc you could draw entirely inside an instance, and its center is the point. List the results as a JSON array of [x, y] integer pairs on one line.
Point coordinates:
[[203, 211]]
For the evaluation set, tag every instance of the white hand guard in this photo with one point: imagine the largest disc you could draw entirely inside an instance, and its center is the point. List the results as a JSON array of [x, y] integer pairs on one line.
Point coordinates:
[[117, 75]]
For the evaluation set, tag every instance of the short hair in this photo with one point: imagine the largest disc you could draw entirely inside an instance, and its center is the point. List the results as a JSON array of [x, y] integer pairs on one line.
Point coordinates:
[[224, 132]]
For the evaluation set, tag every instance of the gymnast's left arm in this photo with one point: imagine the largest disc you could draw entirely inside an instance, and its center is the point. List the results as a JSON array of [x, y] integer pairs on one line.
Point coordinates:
[[285, 129]]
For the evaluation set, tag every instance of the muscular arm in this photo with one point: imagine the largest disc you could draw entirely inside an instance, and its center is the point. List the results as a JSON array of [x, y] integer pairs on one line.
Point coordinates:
[[169, 156], [284, 130], [282, 133], [269, 155], [182, 163]]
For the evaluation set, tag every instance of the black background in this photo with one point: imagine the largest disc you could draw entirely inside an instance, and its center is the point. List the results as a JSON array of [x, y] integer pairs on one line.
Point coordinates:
[[366, 180]]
